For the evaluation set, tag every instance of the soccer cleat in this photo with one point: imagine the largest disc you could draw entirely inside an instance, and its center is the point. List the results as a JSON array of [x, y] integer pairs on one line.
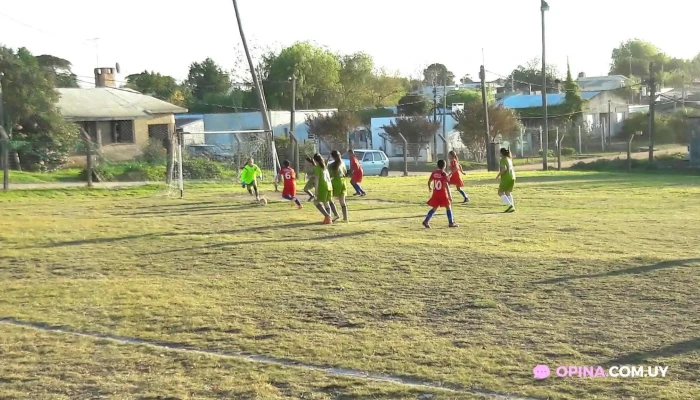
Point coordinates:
[[509, 209], [312, 198], [327, 221], [466, 200], [357, 194], [336, 217], [363, 194], [426, 224], [454, 225]]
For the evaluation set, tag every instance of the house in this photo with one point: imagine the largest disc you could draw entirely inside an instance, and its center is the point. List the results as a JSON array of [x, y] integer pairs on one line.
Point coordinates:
[[600, 83], [595, 114], [494, 87], [192, 127], [120, 121]]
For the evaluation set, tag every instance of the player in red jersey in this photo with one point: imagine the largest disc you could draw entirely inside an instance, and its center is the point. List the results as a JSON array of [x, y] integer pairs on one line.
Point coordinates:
[[456, 173], [442, 197], [289, 177], [356, 174]]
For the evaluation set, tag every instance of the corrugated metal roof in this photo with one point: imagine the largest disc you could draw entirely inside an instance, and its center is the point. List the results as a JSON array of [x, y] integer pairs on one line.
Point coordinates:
[[105, 104], [180, 122], [535, 100]]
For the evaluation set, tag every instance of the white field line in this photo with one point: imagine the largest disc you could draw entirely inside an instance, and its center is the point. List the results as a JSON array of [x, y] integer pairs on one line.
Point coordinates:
[[334, 371]]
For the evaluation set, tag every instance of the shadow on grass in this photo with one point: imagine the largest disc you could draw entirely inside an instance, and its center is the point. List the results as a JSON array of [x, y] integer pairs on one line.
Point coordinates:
[[227, 245], [676, 349], [643, 269], [174, 234]]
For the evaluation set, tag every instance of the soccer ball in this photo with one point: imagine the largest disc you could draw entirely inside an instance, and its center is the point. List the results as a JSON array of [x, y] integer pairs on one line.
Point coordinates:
[[263, 201]]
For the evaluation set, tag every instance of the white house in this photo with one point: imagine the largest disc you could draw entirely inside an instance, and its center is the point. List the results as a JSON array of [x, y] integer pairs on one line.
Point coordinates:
[[395, 150]]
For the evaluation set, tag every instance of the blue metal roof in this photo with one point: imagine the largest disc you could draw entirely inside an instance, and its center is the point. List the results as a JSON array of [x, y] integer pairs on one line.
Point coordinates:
[[535, 100], [189, 116]]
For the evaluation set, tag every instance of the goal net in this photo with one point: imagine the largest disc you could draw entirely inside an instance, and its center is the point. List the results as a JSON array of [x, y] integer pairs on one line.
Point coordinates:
[[220, 156]]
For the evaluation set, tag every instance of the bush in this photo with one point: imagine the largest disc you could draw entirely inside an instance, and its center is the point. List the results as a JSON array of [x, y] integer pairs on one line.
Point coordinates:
[[101, 172], [567, 151], [143, 172], [201, 168], [154, 153], [664, 163], [550, 153]]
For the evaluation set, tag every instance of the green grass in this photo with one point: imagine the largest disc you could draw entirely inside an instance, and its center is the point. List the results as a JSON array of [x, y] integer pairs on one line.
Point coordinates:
[[593, 269], [61, 175]]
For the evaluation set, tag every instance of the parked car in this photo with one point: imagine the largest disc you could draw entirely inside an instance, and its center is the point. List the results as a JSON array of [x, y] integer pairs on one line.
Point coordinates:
[[374, 162], [209, 151]]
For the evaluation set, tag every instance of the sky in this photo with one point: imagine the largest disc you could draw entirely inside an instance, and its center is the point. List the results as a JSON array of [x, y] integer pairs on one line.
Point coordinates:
[[402, 36]]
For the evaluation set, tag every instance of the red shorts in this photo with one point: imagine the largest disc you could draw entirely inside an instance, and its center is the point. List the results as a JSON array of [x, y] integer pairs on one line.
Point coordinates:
[[357, 177], [289, 192], [456, 180], [439, 201]]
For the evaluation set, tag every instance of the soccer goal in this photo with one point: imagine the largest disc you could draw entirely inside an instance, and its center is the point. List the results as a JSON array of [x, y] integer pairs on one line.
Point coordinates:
[[219, 156]]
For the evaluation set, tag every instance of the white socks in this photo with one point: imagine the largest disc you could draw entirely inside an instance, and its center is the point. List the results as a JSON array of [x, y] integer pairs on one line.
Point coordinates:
[[506, 200], [512, 202]]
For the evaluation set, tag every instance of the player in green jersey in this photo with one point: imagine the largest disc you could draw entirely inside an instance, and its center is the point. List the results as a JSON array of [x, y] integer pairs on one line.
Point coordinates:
[[323, 192], [337, 170], [506, 175], [249, 176], [310, 178]]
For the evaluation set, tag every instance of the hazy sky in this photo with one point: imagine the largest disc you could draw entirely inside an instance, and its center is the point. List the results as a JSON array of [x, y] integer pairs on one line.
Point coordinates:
[[167, 35]]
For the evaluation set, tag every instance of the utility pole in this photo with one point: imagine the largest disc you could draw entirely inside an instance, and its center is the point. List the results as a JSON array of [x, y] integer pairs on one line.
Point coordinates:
[[444, 116], [435, 155], [609, 121], [683, 92], [484, 102], [545, 148], [293, 125], [652, 110]]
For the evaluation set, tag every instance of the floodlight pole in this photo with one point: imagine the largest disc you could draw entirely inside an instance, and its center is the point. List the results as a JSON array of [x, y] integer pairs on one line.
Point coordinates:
[[545, 145]]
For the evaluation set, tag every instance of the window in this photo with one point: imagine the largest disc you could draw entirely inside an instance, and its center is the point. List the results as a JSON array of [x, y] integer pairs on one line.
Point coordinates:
[[123, 132], [368, 157]]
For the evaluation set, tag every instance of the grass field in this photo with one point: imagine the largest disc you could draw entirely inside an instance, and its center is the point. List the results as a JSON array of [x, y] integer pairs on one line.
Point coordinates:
[[593, 269]]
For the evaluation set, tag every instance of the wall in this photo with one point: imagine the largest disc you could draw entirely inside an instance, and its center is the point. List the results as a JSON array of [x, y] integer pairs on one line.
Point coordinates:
[[280, 121], [193, 137], [599, 105], [141, 127]]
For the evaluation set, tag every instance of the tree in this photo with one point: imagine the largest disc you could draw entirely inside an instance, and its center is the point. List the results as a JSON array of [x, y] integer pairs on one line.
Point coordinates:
[[466, 79], [470, 125], [572, 97], [356, 77], [418, 132], [413, 105], [30, 102], [60, 70], [317, 72], [388, 89], [462, 96], [438, 74], [207, 78], [530, 76], [632, 58], [333, 129], [153, 84], [365, 115]]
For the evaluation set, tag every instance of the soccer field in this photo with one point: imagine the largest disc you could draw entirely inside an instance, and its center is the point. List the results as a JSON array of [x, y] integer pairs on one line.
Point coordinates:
[[593, 269]]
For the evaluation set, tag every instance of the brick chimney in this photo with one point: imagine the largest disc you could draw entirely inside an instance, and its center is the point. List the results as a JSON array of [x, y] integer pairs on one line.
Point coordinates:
[[104, 77], [581, 74]]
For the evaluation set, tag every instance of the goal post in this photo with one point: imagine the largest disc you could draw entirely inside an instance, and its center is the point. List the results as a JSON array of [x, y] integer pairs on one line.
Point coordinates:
[[219, 156]]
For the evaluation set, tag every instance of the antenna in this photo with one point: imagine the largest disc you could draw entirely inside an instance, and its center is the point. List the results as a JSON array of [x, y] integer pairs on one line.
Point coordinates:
[[118, 68]]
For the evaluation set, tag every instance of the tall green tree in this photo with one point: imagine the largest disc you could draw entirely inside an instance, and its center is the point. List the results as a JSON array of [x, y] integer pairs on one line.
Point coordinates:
[[356, 81], [333, 129], [60, 69], [462, 96], [206, 78], [572, 97], [632, 58], [470, 125], [418, 132], [413, 105], [439, 74], [41, 138], [387, 89], [530, 76], [317, 72], [153, 84]]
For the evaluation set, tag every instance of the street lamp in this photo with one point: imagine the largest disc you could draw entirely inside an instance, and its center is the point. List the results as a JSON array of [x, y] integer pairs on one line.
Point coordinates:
[[545, 146]]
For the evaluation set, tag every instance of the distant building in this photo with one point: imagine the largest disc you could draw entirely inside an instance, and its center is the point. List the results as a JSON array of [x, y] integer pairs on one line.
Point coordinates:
[[120, 121], [192, 127], [600, 83]]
